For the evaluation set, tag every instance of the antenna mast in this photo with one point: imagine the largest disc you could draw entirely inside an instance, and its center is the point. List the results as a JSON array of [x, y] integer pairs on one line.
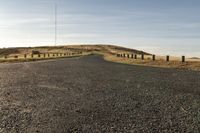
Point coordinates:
[[55, 24]]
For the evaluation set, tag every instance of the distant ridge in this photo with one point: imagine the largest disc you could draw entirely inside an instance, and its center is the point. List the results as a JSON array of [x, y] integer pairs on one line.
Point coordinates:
[[112, 49]]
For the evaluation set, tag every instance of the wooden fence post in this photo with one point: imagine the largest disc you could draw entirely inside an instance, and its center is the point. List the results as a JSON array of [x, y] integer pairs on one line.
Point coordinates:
[[135, 56], [128, 56], [132, 56], [38, 55], [142, 56], [31, 55], [25, 55], [183, 58], [167, 58], [154, 57]]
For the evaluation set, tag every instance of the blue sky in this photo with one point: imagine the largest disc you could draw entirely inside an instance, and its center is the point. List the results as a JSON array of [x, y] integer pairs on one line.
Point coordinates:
[[157, 26]]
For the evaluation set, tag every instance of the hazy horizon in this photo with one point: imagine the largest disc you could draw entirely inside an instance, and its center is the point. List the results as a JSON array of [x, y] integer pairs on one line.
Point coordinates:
[[156, 26]]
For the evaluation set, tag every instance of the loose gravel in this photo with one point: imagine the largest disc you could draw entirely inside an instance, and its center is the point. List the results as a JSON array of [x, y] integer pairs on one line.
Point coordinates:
[[88, 94]]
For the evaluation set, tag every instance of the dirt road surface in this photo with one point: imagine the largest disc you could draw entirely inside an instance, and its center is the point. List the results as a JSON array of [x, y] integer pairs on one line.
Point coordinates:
[[88, 94]]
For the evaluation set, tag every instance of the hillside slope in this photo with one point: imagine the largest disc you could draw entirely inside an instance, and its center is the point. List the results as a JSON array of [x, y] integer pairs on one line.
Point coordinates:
[[112, 49]]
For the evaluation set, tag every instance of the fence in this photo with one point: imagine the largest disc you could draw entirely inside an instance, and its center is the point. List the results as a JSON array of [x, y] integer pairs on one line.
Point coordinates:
[[153, 57], [41, 55]]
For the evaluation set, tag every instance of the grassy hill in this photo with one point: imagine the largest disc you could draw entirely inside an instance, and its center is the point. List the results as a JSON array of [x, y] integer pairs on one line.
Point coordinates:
[[111, 49]]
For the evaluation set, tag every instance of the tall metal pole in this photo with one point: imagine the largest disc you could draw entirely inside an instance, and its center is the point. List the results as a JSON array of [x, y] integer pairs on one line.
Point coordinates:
[[55, 24]]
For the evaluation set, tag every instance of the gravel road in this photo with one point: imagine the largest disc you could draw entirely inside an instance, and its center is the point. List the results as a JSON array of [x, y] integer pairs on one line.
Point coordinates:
[[88, 94]]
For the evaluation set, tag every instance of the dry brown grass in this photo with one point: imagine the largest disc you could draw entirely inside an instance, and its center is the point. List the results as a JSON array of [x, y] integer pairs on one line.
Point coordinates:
[[36, 58], [10, 53], [67, 49], [109, 52], [160, 62]]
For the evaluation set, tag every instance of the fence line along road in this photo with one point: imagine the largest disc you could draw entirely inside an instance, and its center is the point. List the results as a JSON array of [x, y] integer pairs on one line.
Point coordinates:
[[135, 56], [40, 56]]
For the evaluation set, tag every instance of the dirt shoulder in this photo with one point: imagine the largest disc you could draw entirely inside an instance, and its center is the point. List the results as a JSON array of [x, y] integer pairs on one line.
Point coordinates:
[[189, 65], [38, 59]]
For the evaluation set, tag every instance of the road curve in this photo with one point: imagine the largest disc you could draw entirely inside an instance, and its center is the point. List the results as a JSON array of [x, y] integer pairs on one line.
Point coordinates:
[[88, 94]]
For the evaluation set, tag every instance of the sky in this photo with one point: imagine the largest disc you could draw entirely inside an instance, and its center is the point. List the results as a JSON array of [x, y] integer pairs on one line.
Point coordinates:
[[156, 26]]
